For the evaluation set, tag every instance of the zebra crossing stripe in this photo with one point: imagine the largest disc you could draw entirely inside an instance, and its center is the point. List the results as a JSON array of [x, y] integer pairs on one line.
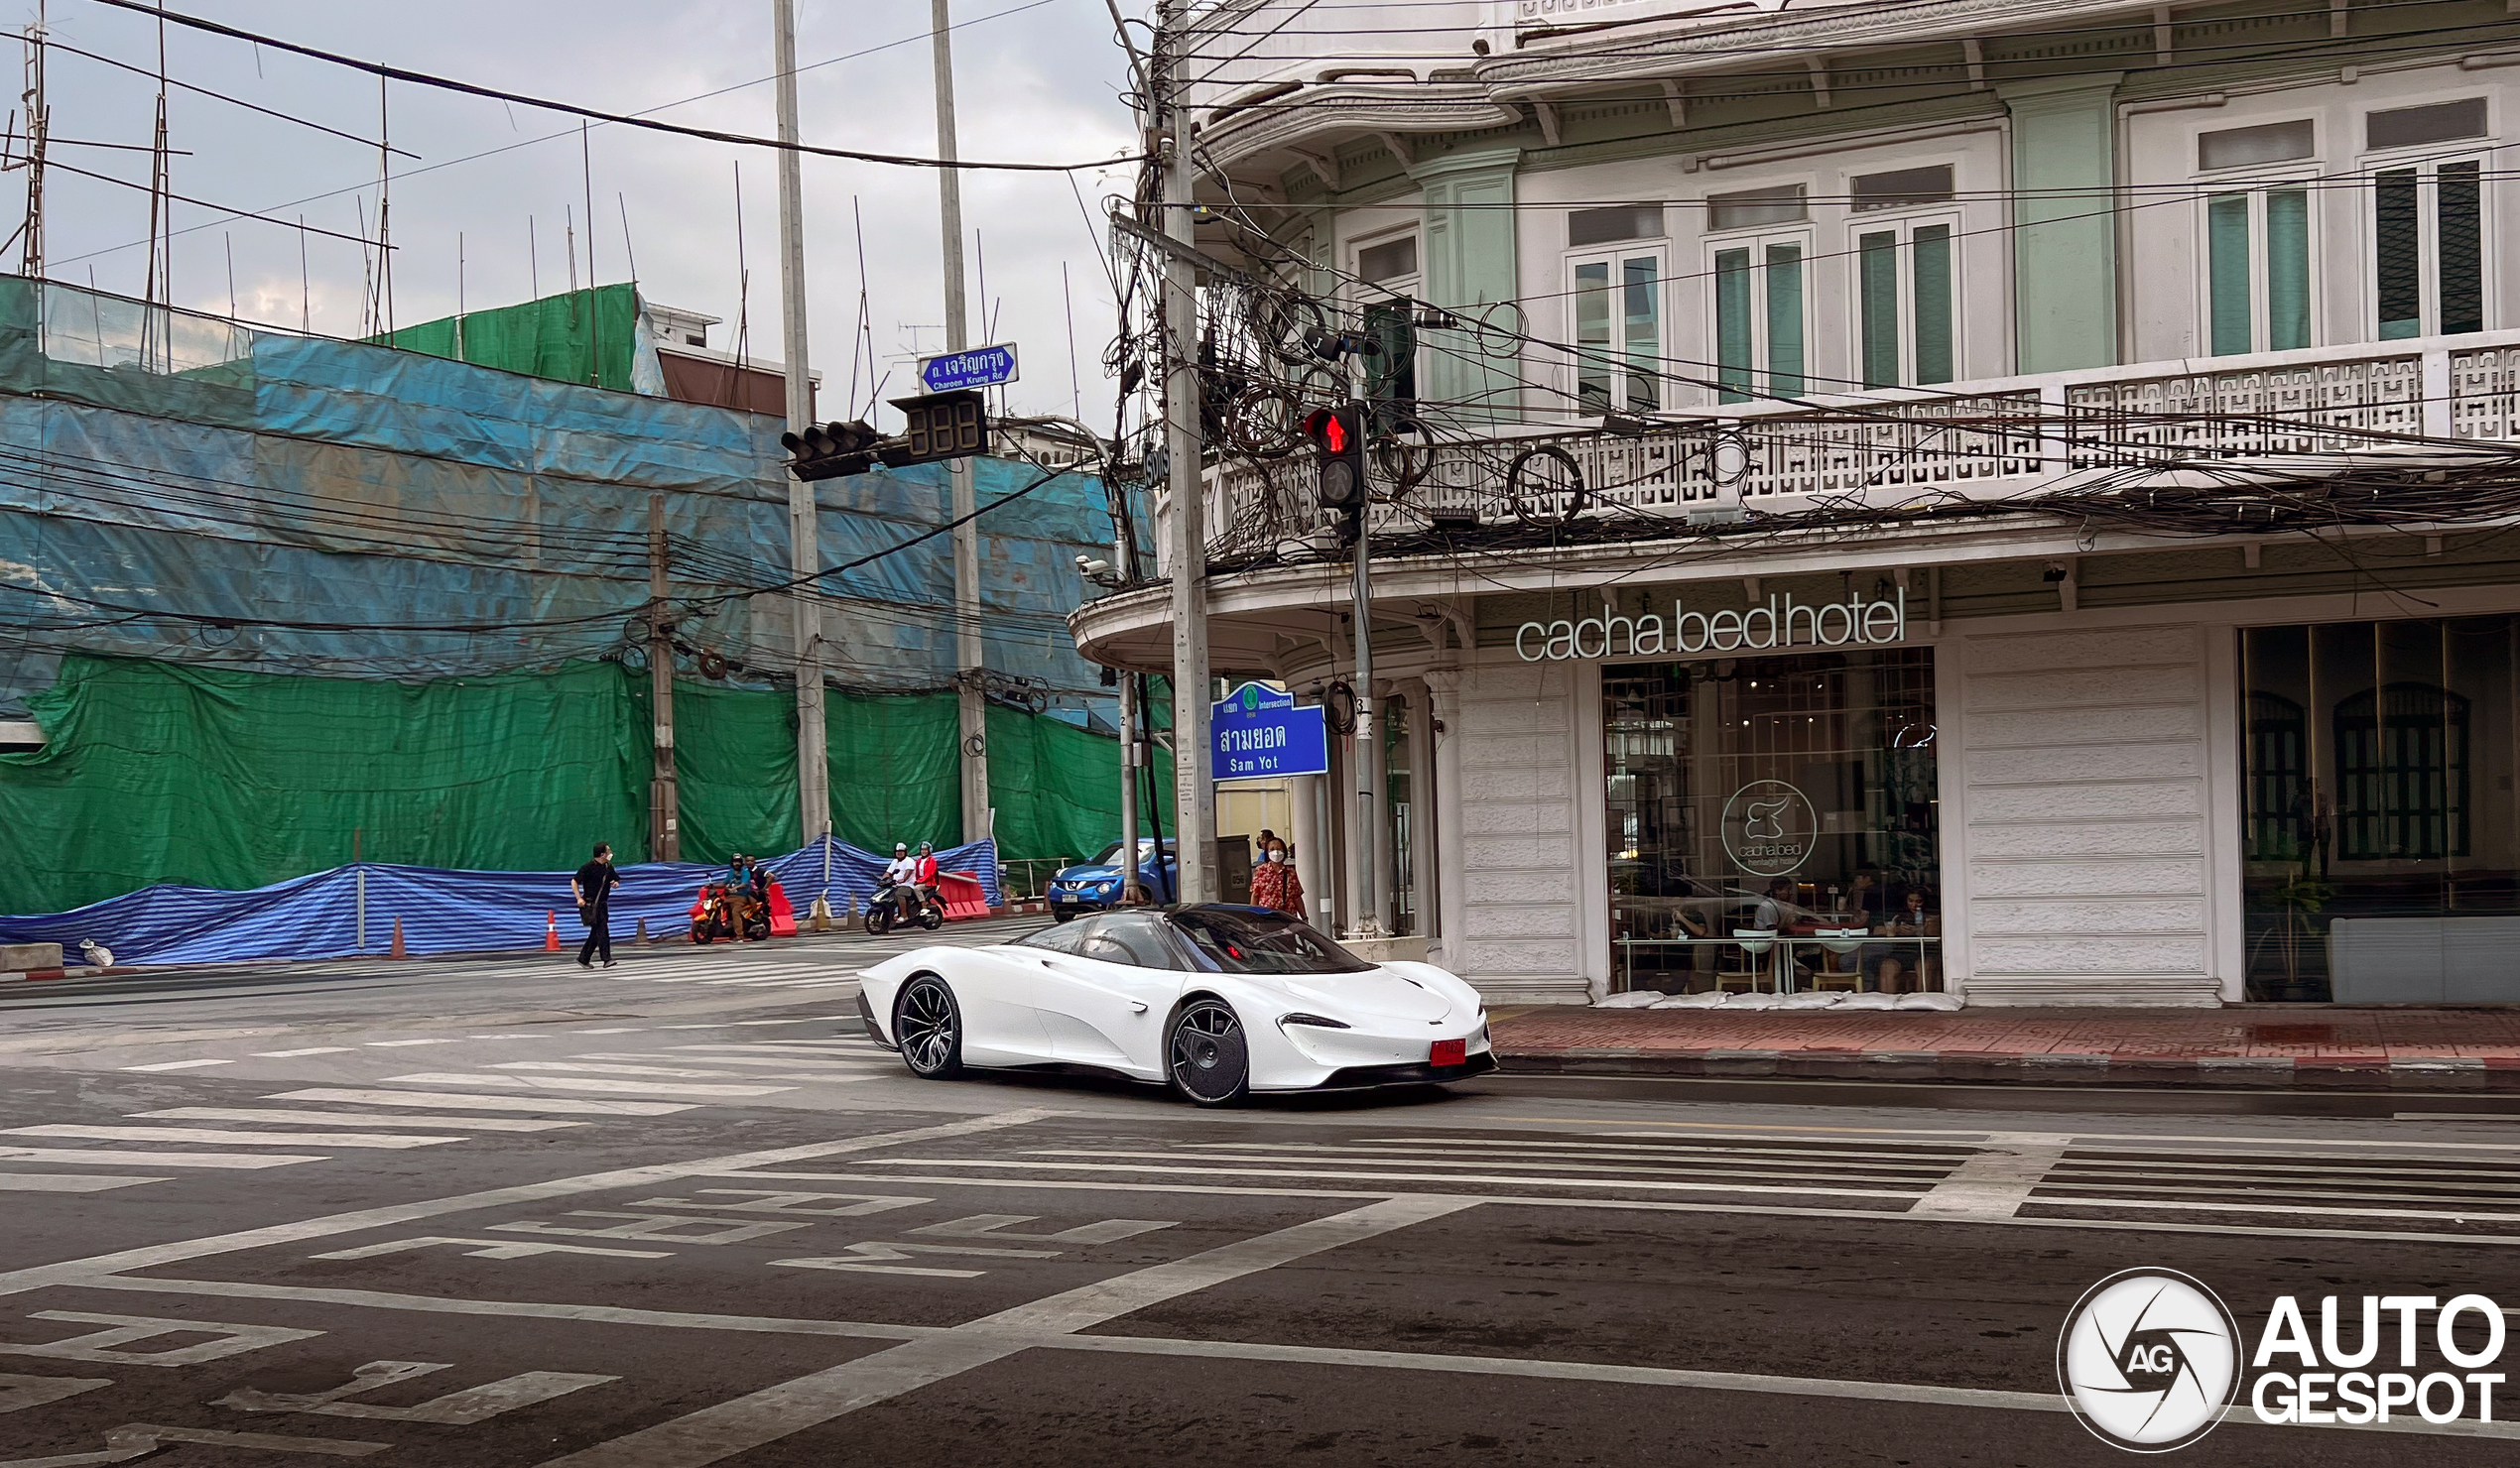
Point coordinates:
[[218, 1138], [584, 1083], [361, 1118], [460, 1101], [71, 1156], [78, 1183]]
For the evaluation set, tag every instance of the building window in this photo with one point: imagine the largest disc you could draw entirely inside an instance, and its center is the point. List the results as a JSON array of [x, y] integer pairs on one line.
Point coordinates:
[[2401, 774], [1610, 226], [1755, 208], [2257, 269], [2427, 230], [1902, 304], [1618, 332], [2278, 815], [1759, 319], [1900, 188], [1389, 271], [2249, 147]]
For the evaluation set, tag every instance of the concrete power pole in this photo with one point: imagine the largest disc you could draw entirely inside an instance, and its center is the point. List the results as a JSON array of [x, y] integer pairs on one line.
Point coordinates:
[[1194, 798], [969, 653], [665, 800], [805, 555]]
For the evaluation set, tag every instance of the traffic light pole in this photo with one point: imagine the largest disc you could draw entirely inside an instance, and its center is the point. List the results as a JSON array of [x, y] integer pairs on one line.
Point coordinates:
[[805, 555], [1372, 881], [970, 653], [1194, 798]]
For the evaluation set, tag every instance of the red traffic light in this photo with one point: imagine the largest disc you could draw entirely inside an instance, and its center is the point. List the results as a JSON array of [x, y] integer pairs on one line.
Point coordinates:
[[1332, 429]]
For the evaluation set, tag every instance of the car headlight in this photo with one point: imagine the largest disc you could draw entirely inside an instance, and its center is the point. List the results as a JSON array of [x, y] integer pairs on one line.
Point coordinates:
[[1322, 1022]]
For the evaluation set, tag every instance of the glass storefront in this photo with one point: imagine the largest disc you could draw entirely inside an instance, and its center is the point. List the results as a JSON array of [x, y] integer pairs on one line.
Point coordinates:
[[2381, 828], [1773, 823]]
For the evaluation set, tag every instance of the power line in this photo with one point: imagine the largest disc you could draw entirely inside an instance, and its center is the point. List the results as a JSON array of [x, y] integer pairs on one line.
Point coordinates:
[[624, 119]]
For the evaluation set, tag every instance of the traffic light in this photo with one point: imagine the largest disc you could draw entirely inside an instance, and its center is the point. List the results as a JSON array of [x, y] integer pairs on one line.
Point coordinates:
[[942, 426], [830, 450], [1339, 443]]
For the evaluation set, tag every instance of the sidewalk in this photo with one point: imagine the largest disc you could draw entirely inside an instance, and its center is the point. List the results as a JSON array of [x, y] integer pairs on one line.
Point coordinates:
[[2473, 1049]]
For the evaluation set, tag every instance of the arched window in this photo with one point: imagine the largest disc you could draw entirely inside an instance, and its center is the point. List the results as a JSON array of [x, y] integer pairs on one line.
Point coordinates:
[[2279, 815], [2401, 774]]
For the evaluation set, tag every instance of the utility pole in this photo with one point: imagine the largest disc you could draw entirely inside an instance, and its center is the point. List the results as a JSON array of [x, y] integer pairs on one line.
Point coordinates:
[[970, 655], [665, 800], [1372, 862], [805, 555], [38, 125], [1193, 797]]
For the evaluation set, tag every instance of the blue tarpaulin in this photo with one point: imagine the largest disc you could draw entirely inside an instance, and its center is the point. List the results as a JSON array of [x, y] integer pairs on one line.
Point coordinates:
[[441, 912]]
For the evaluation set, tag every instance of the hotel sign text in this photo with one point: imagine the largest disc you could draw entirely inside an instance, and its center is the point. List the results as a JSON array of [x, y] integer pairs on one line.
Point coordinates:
[[1782, 622]]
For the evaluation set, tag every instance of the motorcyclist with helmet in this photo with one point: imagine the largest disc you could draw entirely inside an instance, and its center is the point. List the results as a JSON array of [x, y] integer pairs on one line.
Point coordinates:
[[901, 875]]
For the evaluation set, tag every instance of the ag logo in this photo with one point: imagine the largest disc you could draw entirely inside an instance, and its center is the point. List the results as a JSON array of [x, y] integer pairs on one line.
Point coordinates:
[[1768, 827], [2149, 1359]]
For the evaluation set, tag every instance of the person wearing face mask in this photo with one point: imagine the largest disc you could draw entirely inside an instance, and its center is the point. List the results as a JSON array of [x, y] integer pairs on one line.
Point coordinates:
[[1274, 884]]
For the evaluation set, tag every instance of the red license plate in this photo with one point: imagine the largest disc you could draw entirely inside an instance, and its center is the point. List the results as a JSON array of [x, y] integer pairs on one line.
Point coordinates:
[[1449, 1052]]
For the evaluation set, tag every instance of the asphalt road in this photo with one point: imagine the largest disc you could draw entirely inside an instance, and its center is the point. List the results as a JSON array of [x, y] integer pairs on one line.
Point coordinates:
[[679, 1213]]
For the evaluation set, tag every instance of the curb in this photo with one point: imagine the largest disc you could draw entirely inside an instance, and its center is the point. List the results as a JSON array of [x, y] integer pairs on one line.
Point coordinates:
[[38, 975], [2360, 1073]]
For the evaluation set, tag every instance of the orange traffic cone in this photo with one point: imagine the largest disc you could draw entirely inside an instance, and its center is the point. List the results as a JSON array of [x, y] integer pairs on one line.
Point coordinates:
[[396, 951], [551, 931]]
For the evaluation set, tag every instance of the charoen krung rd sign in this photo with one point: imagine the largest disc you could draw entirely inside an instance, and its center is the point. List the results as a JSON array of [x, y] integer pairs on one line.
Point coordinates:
[[1782, 622]]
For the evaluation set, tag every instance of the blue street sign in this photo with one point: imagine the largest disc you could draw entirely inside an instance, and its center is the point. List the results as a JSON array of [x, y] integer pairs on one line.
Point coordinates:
[[1260, 735], [979, 367]]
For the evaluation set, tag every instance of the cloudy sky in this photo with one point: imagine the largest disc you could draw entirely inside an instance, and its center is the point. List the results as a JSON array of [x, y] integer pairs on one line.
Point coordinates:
[[1036, 81]]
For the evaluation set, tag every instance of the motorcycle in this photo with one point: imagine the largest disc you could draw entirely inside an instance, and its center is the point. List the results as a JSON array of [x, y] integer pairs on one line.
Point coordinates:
[[727, 912], [883, 910]]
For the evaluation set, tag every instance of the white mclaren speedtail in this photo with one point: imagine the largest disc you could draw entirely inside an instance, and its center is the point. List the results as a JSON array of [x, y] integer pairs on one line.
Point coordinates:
[[1217, 1000]]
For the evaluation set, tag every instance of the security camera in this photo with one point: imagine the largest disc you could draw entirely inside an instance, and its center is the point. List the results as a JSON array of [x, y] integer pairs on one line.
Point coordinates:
[[2055, 572], [1082, 562], [1086, 566]]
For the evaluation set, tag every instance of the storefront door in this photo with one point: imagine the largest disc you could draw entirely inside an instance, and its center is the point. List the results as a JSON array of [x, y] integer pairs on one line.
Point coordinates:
[[1773, 823]]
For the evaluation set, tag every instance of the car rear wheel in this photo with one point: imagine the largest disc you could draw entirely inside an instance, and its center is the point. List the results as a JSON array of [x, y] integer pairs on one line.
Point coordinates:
[[927, 1028], [1210, 1060]]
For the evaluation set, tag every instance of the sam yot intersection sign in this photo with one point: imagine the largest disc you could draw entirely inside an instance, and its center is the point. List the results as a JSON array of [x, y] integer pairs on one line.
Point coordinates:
[[1260, 735], [976, 367]]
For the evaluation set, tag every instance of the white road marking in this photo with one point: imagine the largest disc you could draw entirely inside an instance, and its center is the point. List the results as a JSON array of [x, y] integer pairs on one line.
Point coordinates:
[[2455, 1116], [362, 1118], [659, 1227], [587, 1083], [318, 1049], [1896, 1173], [485, 1249], [179, 1065], [573, 1066], [529, 1034], [18, 1392], [123, 1330], [630, 1029], [454, 1410], [78, 1182], [865, 1259], [458, 1101], [1995, 1182], [807, 1019], [78, 1271], [141, 1440], [717, 1433], [387, 1044], [837, 1065], [1374, 1177], [73, 1157], [210, 1136], [1502, 1366]]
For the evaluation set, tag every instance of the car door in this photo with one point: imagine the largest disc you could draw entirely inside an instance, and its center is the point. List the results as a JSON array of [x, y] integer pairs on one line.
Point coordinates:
[[1000, 1025], [1105, 1003]]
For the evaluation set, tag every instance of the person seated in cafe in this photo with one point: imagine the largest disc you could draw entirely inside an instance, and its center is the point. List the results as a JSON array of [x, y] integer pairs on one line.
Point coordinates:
[[1777, 909], [1898, 968], [1864, 896]]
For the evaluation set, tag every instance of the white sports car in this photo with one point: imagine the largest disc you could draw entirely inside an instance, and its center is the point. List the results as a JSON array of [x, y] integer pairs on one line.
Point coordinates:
[[1220, 1001]]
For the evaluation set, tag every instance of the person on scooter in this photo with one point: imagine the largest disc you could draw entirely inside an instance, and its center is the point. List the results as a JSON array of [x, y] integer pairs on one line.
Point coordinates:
[[900, 875], [922, 876]]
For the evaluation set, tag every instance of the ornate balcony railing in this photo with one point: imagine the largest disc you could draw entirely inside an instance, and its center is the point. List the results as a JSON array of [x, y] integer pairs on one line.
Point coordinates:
[[2412, 402]]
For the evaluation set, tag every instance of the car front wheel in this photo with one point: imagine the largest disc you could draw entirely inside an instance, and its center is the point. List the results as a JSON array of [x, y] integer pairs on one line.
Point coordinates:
[[1210, 1060], [927, 1026]]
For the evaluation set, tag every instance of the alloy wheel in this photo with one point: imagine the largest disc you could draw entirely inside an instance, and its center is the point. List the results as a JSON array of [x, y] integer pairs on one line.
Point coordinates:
[[928, 1028], [1210, 1060]]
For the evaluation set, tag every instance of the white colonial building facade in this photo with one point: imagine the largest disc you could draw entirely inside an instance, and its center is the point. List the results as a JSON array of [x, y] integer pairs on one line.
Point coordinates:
[[2006, 500]]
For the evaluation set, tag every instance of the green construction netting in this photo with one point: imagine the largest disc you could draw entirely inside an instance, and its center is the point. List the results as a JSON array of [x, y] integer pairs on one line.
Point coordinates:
[[159, 772], [563, 338], [1057, 788], [895, 769], [162, 772]]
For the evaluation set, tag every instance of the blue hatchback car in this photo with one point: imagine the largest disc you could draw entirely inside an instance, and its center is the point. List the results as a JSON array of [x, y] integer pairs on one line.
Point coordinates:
[[1094, 886]]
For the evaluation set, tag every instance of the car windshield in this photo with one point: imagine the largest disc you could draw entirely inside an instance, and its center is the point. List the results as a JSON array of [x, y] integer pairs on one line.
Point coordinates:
[[1238, 942], [1146, 848]]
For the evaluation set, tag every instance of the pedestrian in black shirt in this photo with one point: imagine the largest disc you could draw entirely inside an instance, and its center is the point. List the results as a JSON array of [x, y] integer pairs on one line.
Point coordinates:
[[593, 885]]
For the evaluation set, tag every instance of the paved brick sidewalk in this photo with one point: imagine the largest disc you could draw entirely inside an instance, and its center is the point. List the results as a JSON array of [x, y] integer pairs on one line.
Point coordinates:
[[2358, 1049]]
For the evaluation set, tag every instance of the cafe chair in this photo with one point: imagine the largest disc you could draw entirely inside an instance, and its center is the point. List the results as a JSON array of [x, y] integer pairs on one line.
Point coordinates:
[[1750, 945]]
